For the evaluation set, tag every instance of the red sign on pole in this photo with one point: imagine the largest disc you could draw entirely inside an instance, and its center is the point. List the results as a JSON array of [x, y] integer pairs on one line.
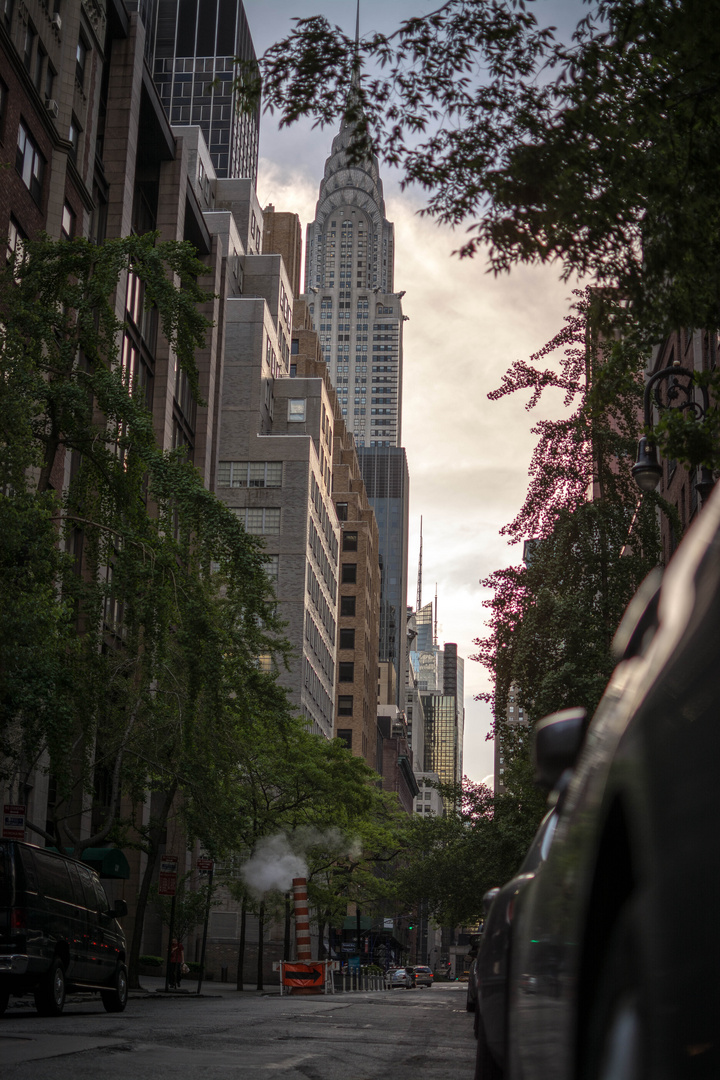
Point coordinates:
[[204, 863], [13, 822], [167, 884]]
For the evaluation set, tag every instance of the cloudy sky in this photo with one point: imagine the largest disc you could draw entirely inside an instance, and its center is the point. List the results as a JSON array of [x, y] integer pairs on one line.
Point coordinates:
[[468, 457]]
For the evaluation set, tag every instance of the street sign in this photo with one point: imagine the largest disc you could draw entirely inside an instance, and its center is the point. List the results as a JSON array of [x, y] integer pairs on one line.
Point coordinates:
[[303, 975], [167, 883], [13, 822], [204, 864], [387, 924]]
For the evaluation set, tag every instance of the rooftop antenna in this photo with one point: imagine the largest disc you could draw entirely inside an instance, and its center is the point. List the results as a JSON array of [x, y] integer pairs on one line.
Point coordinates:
[[435, 627], [419, 583]]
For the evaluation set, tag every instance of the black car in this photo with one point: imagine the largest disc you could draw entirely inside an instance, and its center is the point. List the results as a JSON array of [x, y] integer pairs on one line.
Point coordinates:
[[616, 953], [57, 930], [493, 959]]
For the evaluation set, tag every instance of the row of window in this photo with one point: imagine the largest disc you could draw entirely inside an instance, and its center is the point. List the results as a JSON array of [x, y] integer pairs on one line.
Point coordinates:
[[324, 517], [261, 520], [321, 605], [316, 546], [249, 474], [315, 688], [317, 644]]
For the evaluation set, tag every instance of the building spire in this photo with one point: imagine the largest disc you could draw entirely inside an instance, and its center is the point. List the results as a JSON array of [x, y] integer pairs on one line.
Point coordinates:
[[355, 77], [419, 581], [435, 626]]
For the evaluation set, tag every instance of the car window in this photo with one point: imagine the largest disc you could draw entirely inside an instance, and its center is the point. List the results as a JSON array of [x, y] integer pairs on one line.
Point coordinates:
[[5, 877], [102, 901], [28, 865], [537, 852], [88, 888], [54, 877]]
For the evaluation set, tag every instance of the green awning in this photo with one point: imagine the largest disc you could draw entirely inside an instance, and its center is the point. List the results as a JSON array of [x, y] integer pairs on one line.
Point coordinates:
[[108, 862]]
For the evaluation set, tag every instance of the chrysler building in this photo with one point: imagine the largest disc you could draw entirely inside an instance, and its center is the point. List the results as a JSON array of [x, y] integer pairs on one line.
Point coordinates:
[[349, 282]]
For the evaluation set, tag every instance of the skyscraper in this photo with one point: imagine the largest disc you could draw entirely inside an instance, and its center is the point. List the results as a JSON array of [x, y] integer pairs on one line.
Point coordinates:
[[385, 473], [349, 279], [194, 67]]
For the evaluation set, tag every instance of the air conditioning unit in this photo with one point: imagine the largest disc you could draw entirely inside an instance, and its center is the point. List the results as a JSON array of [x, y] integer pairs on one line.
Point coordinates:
[[51, 106], [57, 22]]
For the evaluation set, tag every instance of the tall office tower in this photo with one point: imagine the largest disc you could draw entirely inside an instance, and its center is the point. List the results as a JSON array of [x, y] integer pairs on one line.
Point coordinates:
[[349, 279], [385, 472], [195, 46]]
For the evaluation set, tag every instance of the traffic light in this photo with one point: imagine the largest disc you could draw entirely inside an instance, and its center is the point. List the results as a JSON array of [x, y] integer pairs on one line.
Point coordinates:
[[410, 925]]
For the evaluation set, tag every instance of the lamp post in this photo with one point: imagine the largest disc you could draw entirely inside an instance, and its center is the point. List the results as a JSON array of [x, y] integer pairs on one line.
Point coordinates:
[[647, 470]]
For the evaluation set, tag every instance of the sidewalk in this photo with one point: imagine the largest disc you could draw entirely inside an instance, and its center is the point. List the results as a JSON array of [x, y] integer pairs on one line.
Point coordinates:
[[151, 985]]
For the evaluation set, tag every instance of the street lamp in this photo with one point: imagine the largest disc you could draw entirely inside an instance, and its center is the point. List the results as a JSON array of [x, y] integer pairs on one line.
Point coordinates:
[[647, 470]]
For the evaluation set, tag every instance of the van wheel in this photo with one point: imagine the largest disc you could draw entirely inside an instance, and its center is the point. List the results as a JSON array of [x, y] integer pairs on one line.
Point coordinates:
[[4, 998], [50, 994], [115, 1000]]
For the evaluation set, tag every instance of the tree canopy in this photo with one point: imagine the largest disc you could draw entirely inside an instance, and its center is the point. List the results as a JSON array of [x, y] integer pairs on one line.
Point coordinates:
[[600, 154]]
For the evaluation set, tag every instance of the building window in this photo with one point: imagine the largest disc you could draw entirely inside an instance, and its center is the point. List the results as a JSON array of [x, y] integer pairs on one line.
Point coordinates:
[[294, 346], [350, 541], [345, 734], [49, 81], [28, 42], [68, 222], [342, 511], [347, 638], [81, 60], [296, 410], [347, 605], [249, 474], [261, 520], [74, 137], [40, 58], [29, 163], [272, 567], [346, 671], [264, 662], [349, 573]]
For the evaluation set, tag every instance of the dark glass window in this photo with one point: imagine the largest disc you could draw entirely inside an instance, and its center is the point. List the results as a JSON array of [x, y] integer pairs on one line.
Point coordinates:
[[342, 511], [350, 541], [55, 880], [345, 734], [347, 638], [349, 573], [347, 605], [29, 163], [81, 60], [294, 347], [346, 671]]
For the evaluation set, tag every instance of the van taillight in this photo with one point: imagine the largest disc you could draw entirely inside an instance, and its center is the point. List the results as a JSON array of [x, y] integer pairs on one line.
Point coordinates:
[[18, 919]]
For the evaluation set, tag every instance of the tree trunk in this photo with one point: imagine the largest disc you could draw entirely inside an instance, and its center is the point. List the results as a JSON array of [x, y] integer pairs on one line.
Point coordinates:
[[156, 830], [261, 933], [240, 978]]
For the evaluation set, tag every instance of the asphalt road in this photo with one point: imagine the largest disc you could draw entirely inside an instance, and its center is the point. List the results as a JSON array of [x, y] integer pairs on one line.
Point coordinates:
[[393, 1035]]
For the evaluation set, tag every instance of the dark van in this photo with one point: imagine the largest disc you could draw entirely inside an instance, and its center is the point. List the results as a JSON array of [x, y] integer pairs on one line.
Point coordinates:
[[58, 932]]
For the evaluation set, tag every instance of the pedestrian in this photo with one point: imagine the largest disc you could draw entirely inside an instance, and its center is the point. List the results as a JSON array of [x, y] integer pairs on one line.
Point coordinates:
[[177, 962]]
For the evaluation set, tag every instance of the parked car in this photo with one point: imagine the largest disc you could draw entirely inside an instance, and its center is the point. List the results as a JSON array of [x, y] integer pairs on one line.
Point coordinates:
[[616, 953], [493, 960], [403, 977], [423, 975], [58, 932], [471, 998]]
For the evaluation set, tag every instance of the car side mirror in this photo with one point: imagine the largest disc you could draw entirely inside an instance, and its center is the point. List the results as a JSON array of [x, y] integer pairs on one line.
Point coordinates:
[[120, 908], [557, 742]]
